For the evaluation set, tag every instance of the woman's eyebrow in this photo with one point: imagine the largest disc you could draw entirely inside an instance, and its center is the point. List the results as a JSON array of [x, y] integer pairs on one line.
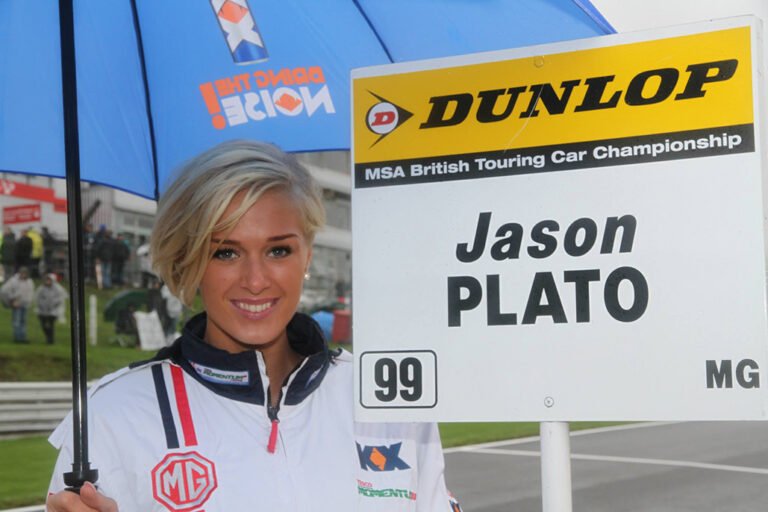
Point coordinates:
[[224, 241], [278, 238]]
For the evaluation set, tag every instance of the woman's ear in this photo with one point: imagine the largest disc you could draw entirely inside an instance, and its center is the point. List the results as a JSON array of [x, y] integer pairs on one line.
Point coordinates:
[[306, 265]]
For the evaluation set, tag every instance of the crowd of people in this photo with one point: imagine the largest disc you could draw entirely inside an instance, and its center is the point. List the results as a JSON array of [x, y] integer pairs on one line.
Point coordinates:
[[106, 256], [31, 249], [28, 258]]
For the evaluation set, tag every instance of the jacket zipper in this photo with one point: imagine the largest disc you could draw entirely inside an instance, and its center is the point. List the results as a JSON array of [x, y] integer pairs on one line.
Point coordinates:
[[272, 410], [272, 414]]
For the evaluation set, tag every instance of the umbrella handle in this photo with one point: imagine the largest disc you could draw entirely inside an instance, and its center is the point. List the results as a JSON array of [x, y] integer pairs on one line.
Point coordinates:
[[76, 478], [81, 470]]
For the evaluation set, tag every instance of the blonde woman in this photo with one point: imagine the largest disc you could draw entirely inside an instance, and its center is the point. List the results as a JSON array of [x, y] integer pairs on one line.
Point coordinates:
[[248, 409]]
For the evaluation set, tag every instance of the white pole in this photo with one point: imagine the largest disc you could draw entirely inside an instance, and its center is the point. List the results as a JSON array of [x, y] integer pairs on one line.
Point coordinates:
[[92, 318], [555, 467]]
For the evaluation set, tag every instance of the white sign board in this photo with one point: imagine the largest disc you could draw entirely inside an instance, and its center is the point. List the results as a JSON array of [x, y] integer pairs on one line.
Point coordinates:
[[561, 233]]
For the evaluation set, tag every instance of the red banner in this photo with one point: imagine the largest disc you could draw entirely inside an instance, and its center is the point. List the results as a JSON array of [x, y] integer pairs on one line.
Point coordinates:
[[21, 214]]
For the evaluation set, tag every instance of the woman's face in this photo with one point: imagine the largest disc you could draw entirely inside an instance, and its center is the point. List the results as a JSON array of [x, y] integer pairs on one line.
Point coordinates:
[[253, 281]]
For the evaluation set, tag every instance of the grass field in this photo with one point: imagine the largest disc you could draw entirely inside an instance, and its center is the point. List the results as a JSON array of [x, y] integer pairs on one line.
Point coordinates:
[[38, 361]]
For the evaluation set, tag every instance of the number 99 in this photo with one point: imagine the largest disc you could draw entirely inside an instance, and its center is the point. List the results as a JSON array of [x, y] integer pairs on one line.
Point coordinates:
[[389, 377]]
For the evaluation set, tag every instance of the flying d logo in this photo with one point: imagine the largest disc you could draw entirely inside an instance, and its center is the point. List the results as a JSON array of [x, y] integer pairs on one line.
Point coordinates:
[[183, 481], [383, 117]]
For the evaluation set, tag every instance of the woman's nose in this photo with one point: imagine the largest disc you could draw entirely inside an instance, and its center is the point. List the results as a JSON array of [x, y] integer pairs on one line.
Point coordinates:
[[255, 275]]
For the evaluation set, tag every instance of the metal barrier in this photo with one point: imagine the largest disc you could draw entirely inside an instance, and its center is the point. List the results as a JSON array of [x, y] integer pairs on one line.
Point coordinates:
[[33, 406], [33, 508]]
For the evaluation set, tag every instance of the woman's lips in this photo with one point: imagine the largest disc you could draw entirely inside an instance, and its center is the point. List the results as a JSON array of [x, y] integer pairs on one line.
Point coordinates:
[[254, 308]]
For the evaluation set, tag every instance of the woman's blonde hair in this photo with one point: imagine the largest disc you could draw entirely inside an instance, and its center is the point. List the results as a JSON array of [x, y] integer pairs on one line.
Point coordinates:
[[191, 209]]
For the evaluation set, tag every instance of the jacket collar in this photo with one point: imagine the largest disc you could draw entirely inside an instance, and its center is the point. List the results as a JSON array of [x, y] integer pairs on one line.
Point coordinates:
[[242, 376]]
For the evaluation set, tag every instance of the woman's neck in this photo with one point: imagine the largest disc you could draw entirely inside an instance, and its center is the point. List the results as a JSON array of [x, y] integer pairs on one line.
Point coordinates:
[[280, 360]]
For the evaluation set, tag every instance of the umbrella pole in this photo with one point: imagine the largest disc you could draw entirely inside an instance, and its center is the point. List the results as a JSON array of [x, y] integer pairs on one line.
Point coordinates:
[[81, 470]]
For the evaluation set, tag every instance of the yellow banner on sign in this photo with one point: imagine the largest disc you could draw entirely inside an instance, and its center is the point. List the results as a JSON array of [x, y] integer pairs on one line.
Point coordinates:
[[669, 85]]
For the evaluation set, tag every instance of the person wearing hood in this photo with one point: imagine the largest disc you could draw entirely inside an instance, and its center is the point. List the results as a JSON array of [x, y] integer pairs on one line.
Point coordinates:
[[50, 298], [17, 293]]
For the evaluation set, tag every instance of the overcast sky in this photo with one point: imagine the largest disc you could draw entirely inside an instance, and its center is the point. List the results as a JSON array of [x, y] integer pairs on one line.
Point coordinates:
[[630, 15]]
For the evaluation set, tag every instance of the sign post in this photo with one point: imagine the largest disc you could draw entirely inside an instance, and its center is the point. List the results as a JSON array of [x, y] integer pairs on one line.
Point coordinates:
[[555, 467], [571, 232]]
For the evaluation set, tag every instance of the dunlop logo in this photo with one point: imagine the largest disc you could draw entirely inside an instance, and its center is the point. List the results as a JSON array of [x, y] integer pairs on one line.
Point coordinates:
[[645, 88]]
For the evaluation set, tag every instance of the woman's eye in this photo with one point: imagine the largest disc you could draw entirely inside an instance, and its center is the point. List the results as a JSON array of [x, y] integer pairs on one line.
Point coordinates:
[[224, 254], [280, 252]]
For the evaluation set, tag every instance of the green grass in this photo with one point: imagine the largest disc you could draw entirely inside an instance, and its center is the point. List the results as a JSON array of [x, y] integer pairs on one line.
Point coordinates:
[[25, 471], [38, 361], [460, 434]]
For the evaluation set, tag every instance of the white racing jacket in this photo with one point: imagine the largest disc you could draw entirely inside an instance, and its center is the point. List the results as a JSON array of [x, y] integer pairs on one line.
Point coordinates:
[[190, 431]]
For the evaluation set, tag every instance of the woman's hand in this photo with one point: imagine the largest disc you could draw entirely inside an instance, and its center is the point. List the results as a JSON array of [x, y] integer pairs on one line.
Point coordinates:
[[89, 500]]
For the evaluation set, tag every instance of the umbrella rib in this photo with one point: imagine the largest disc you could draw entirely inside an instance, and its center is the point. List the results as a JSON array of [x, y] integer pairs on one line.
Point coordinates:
[[373, 29], [147, 99], [594, 15]]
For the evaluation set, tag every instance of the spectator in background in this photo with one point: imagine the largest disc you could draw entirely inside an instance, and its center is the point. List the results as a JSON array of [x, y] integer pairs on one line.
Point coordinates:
[[173, 310], [17, 293], [23, 250], [89, 240], [8, 253], [120, 255], [49, 305], [148, 277], [49, 244], [103, 252], [37, 253]]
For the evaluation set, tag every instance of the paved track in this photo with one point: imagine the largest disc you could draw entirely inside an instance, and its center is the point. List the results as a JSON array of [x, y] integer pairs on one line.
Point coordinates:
[[653, 467]]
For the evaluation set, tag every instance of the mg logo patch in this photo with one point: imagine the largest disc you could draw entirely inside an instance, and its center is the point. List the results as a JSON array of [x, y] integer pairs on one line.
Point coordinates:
[[183, 481], [381, 458]]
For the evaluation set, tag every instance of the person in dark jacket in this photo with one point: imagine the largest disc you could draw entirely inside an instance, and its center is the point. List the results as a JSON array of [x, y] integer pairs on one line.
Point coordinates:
[[103, 252], [23, 251], [49, 243], [8, 253], [120, 254]]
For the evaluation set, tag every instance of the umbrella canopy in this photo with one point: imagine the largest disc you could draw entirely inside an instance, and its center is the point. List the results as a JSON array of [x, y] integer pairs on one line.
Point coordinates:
[[121, 92], [125, 300], [159, 81]]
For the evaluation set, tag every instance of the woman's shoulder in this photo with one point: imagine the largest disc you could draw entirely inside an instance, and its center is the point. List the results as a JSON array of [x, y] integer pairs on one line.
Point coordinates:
[[112, 399], [341, 364], [124, 384]]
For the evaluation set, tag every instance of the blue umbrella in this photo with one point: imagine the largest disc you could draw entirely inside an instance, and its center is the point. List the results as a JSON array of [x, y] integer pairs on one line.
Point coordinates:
[[158, 82], [120, 92]]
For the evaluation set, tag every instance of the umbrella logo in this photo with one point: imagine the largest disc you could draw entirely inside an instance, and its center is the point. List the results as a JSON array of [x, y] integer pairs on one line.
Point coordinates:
[[240, 31], [384, 117]]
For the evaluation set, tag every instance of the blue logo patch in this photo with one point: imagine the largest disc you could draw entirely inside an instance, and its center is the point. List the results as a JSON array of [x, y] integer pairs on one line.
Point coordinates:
[[381, 458]]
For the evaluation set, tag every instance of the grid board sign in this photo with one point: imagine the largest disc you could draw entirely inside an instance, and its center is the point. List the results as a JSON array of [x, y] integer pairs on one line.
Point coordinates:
[[565, 232]]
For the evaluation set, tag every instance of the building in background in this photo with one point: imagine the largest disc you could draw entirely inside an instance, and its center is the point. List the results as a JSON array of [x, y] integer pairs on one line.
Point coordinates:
[[36, 201]]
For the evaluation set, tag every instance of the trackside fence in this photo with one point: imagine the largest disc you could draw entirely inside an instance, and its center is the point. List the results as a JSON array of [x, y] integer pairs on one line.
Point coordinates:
[[33, 407]]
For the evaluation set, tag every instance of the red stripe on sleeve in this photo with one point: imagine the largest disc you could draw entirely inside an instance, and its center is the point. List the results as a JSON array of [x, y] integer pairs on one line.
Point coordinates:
[[182, 405]]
